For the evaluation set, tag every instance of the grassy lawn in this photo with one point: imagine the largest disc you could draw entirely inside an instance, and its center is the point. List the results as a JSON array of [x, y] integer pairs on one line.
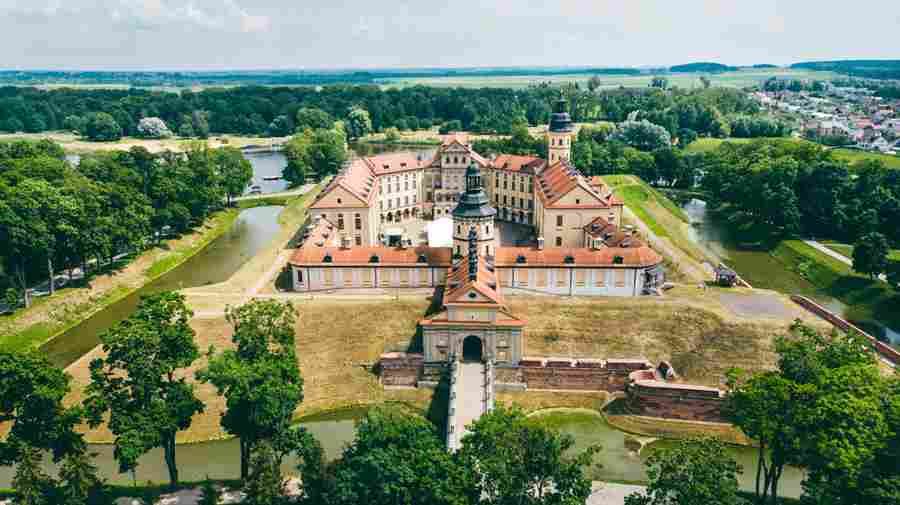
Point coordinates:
[[664, 218], [847, 250], [868, 299], [853, 156], [711, 144]]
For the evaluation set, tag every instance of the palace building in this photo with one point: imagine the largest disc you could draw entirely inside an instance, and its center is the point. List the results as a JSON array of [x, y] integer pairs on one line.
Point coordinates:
[[578, 245]]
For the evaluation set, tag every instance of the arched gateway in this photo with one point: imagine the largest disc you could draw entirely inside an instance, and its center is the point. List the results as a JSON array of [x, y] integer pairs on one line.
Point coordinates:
[[472, 349]]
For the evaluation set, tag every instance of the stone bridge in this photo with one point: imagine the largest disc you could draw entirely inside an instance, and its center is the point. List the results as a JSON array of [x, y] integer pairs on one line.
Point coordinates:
[[471, 395]]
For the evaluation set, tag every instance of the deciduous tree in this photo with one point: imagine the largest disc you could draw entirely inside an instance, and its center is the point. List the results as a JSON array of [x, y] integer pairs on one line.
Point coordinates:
[[259, 378], [140, 382], [870, 254]]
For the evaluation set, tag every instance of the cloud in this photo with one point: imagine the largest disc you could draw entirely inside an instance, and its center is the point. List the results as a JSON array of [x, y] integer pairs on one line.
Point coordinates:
[[218, 15]]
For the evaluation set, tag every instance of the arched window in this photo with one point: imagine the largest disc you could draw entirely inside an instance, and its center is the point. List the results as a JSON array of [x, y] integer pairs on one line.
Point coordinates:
[[458, 229], [487, 229]]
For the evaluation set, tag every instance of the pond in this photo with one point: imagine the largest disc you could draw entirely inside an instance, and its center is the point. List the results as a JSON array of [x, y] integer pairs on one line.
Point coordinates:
[[716, 238], [252, 230], [618, 459]]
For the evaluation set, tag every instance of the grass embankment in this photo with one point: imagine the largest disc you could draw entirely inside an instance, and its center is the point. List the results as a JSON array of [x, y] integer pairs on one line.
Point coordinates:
[[53, 315], [867, 298], [847, 250], [667, 221]]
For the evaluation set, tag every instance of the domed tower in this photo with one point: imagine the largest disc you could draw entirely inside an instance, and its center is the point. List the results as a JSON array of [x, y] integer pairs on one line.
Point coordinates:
[[559, 135], [474, 212]]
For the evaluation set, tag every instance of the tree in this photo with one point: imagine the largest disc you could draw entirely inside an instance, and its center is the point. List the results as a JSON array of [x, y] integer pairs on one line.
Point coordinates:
[[153, 128], [30, 484], [594, 83], [74, 124], [79, 484], [210, 493], [397, 458], [264, 485], [102, 127], [767, 408], [693, 472], [327, 151], [259, 378], [392, 134], [140, 381], [515, 460], [296, 150], [870, 254], [450, 127], [313, 119], [31, 399], [642, 135], [893, 273], [359, 123], [200, 123], [235, 169], [280, 127], [659, 83], [186, 130], [705, 82]]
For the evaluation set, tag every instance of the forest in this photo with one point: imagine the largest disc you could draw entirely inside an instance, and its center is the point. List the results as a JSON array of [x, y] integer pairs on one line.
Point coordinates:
[[273, 111]]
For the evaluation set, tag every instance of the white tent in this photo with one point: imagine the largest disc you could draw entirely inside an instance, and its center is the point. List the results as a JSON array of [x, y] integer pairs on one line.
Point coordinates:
[[440, 232]]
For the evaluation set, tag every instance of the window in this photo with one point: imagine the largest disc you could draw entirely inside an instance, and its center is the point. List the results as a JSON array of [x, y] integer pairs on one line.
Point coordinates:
[[300, 276], [458, 230], [386, 276], [600, 278], [366, 277], [406, 185], [541, 275], [348, 278], [620, 278], [487, 229], [558, 241], [340, 221], [521, 278], [328, 277], [580, 277], [358, 240], [357, 222], [577, 201], [404, 277], [559, 220], [339, 201]]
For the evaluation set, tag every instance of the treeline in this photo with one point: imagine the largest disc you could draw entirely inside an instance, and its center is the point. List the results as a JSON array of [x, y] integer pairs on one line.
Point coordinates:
[[870, 69], [273, 111], [55, 216], [771, 189]]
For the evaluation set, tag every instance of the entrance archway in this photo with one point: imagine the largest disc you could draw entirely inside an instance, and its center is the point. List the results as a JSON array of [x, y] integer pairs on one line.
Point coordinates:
[[472, 349]]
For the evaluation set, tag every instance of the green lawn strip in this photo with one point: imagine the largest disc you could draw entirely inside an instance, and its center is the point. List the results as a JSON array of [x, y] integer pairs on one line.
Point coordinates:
[[854, 156], [40, 333], [867, 298], [847, 250]]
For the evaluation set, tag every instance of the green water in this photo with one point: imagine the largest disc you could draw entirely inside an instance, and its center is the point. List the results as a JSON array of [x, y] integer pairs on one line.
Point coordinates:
[[618, 460]]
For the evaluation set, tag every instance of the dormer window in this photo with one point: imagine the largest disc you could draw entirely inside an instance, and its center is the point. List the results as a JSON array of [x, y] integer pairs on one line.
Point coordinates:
[[339, 201], [521, 259], [374, 259], [422, 259], [569, 260], [618, 260], [472, 295], [327, 258]]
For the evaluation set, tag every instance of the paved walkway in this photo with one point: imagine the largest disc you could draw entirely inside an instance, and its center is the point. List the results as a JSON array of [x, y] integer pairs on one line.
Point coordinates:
[[608, 493], [294, 192], [469, 390], [836, 255]]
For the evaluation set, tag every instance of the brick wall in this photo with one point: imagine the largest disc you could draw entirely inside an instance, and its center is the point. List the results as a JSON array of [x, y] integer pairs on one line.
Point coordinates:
[[586, 375], [655, 398], [400, 369], [881, 348]]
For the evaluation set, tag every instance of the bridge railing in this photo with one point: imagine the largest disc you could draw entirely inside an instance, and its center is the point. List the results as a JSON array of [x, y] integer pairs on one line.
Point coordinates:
[[488, 387], [452, 436]]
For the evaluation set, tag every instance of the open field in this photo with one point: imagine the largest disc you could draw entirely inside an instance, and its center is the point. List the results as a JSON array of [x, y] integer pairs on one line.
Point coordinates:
[[735, 79], [340, 339], [74, 144], [52, 315], [853, 156]]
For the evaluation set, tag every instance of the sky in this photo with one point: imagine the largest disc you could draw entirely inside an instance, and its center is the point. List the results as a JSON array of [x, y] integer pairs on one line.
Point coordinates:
[[315, 34]]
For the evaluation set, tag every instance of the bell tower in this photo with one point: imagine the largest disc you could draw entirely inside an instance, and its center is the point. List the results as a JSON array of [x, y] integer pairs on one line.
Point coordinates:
[[474, 213], [559, 134]]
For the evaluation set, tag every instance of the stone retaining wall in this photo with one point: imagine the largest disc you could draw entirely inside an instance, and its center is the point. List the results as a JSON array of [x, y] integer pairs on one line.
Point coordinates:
[[586, 375], [648, 396], [400, 369]]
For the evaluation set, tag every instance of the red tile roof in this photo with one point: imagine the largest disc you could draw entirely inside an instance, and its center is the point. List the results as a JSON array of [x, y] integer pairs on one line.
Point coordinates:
[[611, 235], [516, 163], [360, 256], [396, 162], [632, 257], [357, 178], [557, 180], [459, 283]]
